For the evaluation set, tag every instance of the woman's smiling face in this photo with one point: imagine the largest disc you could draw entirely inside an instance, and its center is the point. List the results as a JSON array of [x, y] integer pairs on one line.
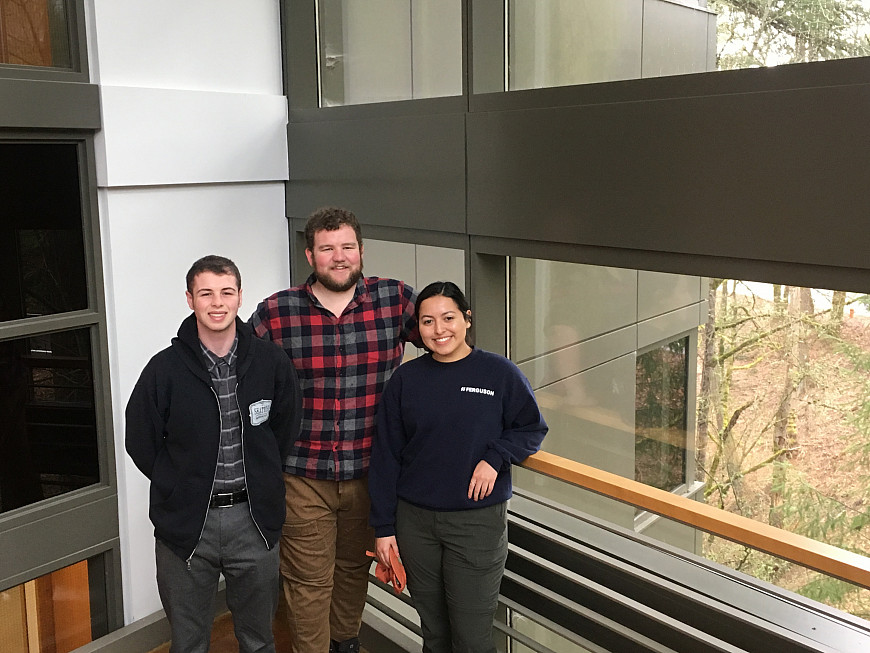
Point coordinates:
[[442, 329]]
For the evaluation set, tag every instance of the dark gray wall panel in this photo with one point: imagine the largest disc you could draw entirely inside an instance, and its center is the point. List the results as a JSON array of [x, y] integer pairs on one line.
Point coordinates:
[[405, 171], [49, 105], [778, 176], [45, 544]]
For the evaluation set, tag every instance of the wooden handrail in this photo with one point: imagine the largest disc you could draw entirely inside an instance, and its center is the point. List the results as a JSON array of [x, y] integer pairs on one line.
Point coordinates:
[[822, 557]]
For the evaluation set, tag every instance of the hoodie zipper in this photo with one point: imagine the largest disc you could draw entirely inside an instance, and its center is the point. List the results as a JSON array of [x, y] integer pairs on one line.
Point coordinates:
[[245, 470], [217, 458]]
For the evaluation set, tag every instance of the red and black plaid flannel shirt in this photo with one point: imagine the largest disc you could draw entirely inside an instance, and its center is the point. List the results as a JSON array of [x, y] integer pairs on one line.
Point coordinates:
[[342, 364]]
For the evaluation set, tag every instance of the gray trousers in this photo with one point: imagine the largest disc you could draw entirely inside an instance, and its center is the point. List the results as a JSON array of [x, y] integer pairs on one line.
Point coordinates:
[[232, 545], [455, 562]]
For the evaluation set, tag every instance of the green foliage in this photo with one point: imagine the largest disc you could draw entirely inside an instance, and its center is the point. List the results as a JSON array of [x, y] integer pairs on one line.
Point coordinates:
[[827, 589], [769, 32]]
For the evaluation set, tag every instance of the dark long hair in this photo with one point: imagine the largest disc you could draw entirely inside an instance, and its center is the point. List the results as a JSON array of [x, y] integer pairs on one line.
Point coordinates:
[[451, 291]]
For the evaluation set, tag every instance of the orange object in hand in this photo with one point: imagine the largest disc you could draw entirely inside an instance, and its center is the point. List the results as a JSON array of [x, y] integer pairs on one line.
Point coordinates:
[[394, 574]]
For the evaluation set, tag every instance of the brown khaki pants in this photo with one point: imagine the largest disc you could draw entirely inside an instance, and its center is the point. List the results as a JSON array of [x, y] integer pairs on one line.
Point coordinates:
[[324, 565]]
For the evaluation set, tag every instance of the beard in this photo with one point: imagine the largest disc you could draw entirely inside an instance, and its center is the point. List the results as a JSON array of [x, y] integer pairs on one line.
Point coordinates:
[[327, 282]]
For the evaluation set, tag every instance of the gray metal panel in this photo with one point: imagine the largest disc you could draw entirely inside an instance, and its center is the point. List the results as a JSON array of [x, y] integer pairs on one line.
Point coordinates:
[[574, 42], [556, 305], [38, 546], [487, 51], [37, 105], [405, 171], [752, 176], [299, 39], [563, 363], [658, 293], [675, 39], [591, 420], [667, 326], [440, 264], [382, 258]]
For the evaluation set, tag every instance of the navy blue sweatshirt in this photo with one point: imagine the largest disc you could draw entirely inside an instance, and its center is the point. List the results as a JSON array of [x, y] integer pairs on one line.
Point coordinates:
[[437, 421]]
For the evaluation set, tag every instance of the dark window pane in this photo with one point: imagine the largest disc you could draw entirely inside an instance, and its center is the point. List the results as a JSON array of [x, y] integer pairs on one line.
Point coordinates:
[[660, 416], [48, 437], [42, 255], [34, 33]]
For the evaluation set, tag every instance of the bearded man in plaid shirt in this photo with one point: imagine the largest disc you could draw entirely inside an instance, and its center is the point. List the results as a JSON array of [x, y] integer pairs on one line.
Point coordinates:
[[345, 334]]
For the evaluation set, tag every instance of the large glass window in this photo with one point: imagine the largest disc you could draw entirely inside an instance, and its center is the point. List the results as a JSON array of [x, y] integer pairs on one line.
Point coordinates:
[[48, 442], [784, 423], [384, 50], [752, 397], [661, 415], [576, 333], [41, 244], [34, 33], [49, 438], [567, 42]]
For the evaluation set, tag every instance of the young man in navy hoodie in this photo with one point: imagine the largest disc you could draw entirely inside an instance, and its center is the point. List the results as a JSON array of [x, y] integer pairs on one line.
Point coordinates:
[[209, 423]]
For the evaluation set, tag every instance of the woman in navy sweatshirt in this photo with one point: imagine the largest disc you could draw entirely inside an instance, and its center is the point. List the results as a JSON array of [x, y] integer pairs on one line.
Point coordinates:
[[450, 424]]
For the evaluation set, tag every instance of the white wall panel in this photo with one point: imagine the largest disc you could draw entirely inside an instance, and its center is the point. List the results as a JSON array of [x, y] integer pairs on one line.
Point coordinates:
[[150, 238], [221, 45], [157, 136]]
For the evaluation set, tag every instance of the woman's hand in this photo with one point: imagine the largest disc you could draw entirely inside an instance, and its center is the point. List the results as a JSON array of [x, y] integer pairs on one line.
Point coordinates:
[[482, 481], [382, 549]]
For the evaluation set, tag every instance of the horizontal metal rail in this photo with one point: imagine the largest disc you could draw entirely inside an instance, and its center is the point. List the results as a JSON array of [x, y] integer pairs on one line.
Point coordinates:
[[820, 556]]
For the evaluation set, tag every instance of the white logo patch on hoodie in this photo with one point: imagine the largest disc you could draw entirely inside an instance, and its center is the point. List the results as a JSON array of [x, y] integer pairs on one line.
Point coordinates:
[[260, 411]]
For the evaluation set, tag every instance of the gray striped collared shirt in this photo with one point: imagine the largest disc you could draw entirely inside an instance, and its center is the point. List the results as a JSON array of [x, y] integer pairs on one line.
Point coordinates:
[[230, 473]]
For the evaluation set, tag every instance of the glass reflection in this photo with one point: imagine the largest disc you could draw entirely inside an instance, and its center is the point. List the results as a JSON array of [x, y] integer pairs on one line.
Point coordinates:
[[34, 33], [42, 253], [661, 415], [53, 613], [386, 50], [48, 438], [568, 42]]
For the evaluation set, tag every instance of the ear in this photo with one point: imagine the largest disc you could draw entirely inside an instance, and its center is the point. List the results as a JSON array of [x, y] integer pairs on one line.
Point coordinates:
[[468, 316], [189, 299], [240, 296], [310, 256]]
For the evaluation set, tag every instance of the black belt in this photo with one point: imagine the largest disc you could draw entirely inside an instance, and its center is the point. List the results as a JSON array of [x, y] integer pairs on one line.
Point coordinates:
[[227, 499]]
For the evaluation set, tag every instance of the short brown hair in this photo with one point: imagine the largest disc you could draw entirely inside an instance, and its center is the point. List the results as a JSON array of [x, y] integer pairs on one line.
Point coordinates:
[[330, 218], [216, 265]]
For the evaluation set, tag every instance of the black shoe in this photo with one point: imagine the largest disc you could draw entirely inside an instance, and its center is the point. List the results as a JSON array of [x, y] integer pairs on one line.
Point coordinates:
[[347, 646]]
